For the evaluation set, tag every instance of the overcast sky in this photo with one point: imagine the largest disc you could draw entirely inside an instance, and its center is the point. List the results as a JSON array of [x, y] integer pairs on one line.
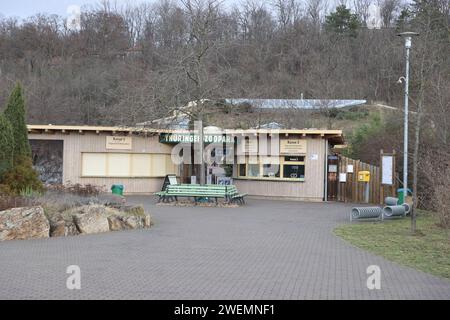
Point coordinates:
[[26, 8]]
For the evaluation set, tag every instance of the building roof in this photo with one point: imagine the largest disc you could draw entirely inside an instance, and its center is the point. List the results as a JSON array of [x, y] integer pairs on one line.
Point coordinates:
[[96, 129], [297, 103], [335, 136]]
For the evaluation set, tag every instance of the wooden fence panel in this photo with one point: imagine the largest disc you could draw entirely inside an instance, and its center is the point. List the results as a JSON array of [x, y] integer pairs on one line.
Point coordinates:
[[354, 191]]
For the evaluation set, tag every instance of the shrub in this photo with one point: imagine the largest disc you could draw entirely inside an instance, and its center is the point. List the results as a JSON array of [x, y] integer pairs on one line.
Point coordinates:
[[87, 190], [6, 145], [11, 201], [5, 190], [15, 113], [81, 190], [22, 177], [29, 192], [436, 167]]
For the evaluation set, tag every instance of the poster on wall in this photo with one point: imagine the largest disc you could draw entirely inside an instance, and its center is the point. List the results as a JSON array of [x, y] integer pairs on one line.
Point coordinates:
[[118, 143], [292, 146], [349, 168], [342, 177], [332, 168], [387, 163]]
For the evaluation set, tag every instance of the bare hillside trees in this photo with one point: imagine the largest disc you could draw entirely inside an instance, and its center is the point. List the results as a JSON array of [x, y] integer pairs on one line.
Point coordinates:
[[140, 62]]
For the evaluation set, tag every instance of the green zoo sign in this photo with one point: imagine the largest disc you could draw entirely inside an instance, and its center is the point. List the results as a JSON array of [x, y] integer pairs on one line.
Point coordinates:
[[174, 138]]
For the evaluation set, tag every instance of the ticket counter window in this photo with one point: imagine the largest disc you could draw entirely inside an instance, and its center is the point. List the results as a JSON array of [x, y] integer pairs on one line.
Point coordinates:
[[290, 168], [271, 170], [294, 171], [253, 170]]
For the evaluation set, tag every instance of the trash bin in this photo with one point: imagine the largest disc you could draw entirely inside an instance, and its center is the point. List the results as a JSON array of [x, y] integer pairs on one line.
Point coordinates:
[[400, 195], [117, 189]]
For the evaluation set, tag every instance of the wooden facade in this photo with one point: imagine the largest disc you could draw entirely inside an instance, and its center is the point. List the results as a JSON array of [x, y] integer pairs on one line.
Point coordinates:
[[79, 139], [311, 189], [75, 143]]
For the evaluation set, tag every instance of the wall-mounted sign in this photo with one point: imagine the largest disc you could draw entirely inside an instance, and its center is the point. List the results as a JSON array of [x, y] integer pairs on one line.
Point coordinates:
[[119, 143], [387, 169], [174, 138], [294, 159], [342, 177], [292, 146], [349, 168]]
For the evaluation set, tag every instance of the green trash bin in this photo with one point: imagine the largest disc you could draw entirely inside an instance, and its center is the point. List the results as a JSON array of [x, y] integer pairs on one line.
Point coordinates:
[[400, 195], [117, 189]]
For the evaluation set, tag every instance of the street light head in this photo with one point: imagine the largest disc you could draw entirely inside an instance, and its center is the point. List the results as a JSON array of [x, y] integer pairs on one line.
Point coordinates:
[[407, 34], [400, 80]]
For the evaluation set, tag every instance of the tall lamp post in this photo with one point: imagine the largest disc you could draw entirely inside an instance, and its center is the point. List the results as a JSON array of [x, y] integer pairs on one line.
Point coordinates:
[[407, 36]]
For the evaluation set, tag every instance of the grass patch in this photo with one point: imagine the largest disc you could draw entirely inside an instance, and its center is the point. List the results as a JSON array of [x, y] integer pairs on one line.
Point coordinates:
[[428, 251]]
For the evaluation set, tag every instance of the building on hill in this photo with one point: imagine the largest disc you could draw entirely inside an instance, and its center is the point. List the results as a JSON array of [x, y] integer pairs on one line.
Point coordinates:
[[271, 108]]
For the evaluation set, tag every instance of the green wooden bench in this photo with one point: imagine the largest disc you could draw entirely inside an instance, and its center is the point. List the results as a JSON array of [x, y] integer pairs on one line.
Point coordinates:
[[229, 193]]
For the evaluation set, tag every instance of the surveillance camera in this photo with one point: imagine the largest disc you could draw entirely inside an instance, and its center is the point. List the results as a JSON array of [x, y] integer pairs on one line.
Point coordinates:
[[400, 80]]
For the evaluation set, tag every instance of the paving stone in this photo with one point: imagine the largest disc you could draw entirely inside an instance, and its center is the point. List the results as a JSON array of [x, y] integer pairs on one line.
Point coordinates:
[[263, 250]]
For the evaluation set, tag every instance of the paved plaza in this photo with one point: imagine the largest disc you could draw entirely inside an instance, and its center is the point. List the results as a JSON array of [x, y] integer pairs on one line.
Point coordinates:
[[263, 250]]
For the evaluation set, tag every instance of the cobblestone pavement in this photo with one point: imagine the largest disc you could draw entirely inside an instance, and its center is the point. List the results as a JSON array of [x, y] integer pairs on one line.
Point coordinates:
[[264, 250]]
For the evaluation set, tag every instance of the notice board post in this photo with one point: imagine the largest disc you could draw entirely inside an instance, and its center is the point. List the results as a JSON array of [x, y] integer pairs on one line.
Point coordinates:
[[387, 177]]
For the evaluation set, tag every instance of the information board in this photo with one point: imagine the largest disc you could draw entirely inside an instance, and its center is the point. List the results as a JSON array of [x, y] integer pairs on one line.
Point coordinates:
[[387, 170]]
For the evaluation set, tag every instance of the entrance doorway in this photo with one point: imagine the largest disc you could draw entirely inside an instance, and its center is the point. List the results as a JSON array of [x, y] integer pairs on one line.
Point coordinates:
[[332, 178]]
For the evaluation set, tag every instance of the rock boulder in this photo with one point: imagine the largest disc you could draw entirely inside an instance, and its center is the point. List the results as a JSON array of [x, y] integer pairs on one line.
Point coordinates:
[[63, 229], [24, 223], [91, 219]]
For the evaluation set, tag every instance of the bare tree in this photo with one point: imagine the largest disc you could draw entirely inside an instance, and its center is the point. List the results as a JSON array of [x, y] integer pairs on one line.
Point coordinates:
[[388, 10], [316, 10], [362, 9]]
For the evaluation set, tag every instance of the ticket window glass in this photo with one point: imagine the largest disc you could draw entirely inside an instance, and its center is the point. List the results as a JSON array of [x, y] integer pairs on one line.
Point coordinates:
[[271, 170], [253, 170], [283, 168], [294, 167], [242, 169], [294, 171]]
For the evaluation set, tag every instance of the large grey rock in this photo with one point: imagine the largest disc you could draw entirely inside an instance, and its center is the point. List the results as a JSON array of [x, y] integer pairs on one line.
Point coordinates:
[[63, 229], [147, 220], [91, 219], [122, 221], [23, 223], [116, 223], [97, 218], [134, 222]]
